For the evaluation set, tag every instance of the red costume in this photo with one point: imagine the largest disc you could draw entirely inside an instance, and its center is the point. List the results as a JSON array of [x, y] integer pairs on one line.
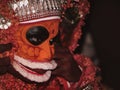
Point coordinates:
[[37, 43]]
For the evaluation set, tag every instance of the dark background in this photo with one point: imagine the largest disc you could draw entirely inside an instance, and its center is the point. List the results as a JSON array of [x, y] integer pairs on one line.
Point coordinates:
[[103, 22]]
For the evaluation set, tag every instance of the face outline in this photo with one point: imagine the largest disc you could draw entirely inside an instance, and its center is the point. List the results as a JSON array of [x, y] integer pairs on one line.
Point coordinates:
[[29, 58]]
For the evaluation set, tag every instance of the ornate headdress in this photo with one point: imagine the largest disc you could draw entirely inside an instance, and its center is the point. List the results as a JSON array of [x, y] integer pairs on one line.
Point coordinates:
[[30, 11]]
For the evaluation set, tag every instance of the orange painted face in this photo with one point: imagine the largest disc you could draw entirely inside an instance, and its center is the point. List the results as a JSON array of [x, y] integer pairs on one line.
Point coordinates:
[[34, 40], [33, 58]]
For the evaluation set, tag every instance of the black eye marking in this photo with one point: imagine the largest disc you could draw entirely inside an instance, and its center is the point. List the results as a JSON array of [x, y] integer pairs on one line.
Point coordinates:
[[37, 35]]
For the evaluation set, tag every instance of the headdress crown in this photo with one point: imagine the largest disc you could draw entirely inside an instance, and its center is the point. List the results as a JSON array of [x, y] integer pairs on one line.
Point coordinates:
[[29, 10]]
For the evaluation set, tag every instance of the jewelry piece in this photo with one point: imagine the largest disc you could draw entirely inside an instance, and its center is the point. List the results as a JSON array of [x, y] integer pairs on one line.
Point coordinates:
[[4, 24]]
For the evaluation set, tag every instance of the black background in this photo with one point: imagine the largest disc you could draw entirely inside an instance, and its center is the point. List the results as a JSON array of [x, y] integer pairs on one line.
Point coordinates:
[[104, 24]]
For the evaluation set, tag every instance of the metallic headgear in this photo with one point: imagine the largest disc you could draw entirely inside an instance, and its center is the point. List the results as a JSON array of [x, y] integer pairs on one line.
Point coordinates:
[[30, 11]]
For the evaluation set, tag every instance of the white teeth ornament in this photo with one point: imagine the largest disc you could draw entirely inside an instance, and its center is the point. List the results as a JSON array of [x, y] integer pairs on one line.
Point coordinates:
[[4, 24]]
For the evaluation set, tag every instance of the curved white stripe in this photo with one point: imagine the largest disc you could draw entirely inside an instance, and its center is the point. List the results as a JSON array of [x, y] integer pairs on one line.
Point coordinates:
[[80, 68], [41, 19], [68, 83], [33, 77], [36, 65]]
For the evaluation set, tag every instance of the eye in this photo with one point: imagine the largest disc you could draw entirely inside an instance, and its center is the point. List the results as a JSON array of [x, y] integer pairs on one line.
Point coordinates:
[[37, 35], [56, 39], [51, 41]]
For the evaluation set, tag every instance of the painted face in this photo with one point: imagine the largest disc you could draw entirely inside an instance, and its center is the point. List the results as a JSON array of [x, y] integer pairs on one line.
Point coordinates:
[[33, 58]]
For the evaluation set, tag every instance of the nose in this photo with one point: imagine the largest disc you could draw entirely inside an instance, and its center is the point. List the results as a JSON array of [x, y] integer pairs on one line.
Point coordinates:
[[37, 35], [46, 52]]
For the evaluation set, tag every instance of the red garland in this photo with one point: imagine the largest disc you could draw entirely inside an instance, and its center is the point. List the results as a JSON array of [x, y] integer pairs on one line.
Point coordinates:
[[89, 72], [9, 82]]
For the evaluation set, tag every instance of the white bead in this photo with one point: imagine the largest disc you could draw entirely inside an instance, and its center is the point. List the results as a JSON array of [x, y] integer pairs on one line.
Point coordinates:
[[3, 21], [81, 15], [28, 12], [9, 24], [33, 11], [5, 26]]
